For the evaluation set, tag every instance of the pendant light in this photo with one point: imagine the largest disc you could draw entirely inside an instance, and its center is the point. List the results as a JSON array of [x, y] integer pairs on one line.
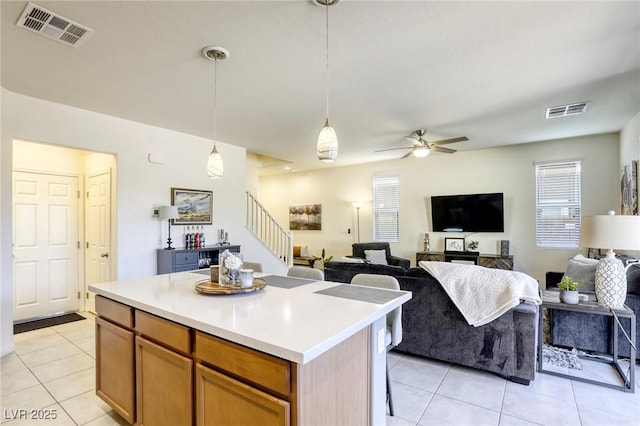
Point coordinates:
[[327, 140], [215, 168]]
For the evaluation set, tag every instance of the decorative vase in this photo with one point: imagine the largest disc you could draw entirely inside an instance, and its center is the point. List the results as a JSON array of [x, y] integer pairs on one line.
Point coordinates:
[[611, 282], [570, 297], [230, 264]]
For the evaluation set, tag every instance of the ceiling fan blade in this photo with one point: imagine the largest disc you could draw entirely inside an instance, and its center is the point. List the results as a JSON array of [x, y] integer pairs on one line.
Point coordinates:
[[408, 154], [441, 149], [414, 140], [452, 140], [392, 149]]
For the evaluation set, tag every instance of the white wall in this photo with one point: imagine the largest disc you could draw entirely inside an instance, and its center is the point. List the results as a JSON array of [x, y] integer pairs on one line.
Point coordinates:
[[509, 170], [630, 151], [140, 184]]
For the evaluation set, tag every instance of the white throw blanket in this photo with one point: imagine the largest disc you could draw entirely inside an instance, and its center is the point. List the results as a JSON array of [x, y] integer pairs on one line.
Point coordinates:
[[483, 294]]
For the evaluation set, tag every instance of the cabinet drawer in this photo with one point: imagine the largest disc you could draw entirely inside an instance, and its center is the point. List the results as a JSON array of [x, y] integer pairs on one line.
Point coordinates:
[[164, 331], [261, 369], [185, 268], [114, 311], [186, 258]]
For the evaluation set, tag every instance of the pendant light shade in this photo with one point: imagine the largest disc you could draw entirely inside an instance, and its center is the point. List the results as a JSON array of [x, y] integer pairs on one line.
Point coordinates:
[[327, 144], [327, 148], [215, 168]]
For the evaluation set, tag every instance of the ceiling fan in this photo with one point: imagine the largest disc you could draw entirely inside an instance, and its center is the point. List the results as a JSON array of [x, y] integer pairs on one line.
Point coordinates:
[[422, 148]]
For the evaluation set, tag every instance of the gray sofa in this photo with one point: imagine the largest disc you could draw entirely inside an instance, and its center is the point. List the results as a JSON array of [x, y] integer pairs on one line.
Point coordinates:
[[433, 327], [591, 332]]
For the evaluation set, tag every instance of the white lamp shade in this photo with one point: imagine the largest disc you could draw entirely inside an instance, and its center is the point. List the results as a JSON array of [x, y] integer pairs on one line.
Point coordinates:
[[215, 168], [169, 212], [421, 151], [327, 144], [612, 232]]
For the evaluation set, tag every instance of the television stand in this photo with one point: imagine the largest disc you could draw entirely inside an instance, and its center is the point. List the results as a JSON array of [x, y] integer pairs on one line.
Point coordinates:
[[495, 261]]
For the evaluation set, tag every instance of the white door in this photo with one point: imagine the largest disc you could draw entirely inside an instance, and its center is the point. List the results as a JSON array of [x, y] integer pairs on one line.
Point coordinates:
[[98, 222], [45, 244]]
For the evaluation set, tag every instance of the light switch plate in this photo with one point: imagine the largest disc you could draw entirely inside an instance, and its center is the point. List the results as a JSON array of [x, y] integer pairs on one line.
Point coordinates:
[[155, 212]]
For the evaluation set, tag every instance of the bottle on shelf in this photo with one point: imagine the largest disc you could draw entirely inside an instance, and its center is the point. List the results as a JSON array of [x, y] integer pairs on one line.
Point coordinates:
[[202, 243], [196, 238], [186, 237]]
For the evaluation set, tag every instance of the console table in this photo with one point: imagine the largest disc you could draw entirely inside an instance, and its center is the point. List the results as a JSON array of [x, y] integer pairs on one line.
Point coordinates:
[[551, 300], [495, 261], [180, 260]]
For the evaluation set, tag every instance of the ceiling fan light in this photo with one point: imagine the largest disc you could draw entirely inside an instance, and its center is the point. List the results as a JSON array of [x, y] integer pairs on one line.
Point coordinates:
[[215, 168], [421, 151], [327, 144]]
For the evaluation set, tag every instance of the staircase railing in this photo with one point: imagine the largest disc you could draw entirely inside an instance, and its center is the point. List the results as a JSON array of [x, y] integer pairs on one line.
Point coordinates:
[[268, 230]]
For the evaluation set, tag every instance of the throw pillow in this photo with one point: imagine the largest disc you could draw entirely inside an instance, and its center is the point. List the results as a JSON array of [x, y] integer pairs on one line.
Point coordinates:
[[304, 251], [584, 273], [378, 257]]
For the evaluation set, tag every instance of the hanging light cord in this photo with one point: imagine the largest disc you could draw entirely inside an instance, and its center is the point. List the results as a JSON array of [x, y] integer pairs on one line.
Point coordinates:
[[327, 52], [215, 99]]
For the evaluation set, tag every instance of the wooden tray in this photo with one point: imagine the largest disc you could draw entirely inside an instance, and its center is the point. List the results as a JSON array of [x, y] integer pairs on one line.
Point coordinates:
[[208, 287]]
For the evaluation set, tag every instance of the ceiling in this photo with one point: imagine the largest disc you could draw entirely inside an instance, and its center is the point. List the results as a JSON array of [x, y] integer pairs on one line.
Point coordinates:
[[485, 70]]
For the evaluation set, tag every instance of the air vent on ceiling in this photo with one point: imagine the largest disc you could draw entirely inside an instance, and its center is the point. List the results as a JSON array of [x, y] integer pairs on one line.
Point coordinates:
[[48, 24], [564, 110]]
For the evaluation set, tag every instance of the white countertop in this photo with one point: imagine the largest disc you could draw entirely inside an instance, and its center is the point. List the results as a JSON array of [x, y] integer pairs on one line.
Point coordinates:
[[294, 324]]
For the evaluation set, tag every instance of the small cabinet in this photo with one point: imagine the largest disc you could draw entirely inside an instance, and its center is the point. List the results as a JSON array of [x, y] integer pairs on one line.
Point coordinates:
[[181, 260], [115, 373], [164, 391], [222, 400]]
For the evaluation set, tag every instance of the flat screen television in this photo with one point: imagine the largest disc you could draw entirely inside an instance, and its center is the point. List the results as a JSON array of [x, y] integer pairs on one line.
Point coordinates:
[[468, 213]]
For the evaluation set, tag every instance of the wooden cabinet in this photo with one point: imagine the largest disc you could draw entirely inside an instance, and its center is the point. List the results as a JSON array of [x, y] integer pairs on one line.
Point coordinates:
[[153, 371], [222, 400], [189, 259], [164, 385], [487, 260], [115, 374]]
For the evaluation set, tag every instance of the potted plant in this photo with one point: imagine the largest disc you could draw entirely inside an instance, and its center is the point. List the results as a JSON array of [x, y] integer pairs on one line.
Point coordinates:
[[472, 245], [568, 290], [322, 258]]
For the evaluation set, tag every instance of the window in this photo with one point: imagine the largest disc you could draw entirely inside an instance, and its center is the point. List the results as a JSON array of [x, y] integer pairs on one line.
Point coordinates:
[[558, 205], [386, 205]]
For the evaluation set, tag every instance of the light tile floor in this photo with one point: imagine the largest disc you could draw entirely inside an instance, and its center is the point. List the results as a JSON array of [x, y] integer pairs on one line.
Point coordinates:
[[52, 371]]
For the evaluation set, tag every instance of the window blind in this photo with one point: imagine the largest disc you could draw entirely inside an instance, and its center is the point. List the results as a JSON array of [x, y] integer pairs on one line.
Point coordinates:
[[558, 205], [386, 206]]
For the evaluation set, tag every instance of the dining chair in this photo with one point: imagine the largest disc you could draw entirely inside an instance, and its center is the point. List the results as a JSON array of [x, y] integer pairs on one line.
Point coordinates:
[[304, 272], [393, 336]]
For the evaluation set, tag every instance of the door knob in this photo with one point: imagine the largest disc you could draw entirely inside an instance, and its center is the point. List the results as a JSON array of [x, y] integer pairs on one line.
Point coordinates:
[[104, 255]]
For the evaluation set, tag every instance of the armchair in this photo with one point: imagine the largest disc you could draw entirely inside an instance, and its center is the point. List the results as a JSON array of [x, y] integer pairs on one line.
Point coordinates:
[[359, 248]]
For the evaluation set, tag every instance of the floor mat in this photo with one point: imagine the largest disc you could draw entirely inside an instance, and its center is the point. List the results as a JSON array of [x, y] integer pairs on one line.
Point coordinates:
[[46, 322]]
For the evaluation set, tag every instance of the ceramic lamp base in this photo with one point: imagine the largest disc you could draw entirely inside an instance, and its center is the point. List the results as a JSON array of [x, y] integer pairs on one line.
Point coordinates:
[[611, 282]]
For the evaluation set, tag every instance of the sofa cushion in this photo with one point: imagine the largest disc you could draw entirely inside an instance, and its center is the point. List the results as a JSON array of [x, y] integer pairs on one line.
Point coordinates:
[[583, 272], [378, 257]]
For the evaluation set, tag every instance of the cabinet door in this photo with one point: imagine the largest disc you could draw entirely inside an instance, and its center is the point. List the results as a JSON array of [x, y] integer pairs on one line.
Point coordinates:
[[164, 394], [221, 400], [115, 377]]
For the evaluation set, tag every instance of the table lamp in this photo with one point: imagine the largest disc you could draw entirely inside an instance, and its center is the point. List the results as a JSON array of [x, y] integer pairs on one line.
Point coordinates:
[[611, 232], [169, 212]]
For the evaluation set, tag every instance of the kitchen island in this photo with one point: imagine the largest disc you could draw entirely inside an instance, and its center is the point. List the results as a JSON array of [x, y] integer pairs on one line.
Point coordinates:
[[297, 352]]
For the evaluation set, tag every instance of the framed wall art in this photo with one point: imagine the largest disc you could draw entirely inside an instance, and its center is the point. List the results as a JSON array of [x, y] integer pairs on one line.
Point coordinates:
[[454, 244], [629, 189], [195, 207], [306, 217]]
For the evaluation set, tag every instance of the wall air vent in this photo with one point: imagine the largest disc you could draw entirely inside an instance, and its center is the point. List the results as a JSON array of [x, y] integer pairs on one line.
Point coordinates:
[[564, 110], [48, 24]]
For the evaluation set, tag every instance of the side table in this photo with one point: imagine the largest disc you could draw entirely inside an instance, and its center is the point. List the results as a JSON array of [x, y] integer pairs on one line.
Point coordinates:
[[551, 300]]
